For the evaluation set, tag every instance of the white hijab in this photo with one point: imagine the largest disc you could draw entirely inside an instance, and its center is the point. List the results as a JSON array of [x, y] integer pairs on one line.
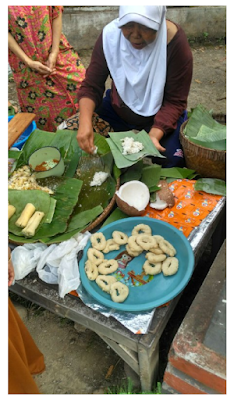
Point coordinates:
[[139, 75]]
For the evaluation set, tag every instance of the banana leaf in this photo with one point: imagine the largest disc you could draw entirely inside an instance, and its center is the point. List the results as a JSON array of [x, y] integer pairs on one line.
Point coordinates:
[[199, 116], [133, 173], [77, 224], [177, 173], [123, 161], [91, 196], [211, 185], [218, 145], [115, 216], [36, 140], [41, 201], [151, 176], [204, 130]]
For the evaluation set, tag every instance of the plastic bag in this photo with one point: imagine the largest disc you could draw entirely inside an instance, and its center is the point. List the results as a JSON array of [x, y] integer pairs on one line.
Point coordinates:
[[25, 258]]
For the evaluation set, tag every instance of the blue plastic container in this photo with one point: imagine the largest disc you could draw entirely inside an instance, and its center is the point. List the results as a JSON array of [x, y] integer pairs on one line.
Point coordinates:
[[25, 135]]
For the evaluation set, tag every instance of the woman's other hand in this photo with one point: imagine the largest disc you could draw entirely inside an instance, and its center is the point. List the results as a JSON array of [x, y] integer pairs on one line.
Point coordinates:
[[39, 67], [11, 272], [156, 135], [51, 63]]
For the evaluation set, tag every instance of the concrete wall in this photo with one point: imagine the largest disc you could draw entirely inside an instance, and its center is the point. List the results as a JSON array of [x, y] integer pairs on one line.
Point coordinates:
[[82, 25]]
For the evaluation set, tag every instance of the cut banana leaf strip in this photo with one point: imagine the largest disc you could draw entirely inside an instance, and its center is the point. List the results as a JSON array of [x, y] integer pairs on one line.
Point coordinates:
[[212, 186], [151, 176], [79, 221], [177, 173], [76, 224], [133, 173]]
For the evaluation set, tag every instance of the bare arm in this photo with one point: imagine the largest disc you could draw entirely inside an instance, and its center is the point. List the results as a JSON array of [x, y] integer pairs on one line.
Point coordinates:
[[56, 35], [35, 65], [11, 272], [85, 133]]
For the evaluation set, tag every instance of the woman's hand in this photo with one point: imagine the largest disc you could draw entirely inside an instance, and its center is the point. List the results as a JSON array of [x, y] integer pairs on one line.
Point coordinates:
[[51, 63], [156, 135], [11, 272], [85, 138], [39, 67]]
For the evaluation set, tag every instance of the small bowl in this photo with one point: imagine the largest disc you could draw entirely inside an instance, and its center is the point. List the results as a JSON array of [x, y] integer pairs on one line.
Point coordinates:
[[43, 158]]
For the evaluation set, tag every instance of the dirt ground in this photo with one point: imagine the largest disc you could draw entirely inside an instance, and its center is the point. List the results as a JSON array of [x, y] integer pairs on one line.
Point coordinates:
[[77, 360]]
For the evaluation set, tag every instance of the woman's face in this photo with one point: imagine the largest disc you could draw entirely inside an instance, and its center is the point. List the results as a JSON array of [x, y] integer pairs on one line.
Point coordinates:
[[138, 35]]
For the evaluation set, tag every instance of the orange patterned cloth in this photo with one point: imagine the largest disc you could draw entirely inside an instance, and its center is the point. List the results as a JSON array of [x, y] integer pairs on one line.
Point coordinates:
[[191, 206]]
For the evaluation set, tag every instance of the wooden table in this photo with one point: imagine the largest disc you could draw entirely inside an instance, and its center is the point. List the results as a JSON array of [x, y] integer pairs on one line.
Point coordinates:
[[17, 125], [140, 352]]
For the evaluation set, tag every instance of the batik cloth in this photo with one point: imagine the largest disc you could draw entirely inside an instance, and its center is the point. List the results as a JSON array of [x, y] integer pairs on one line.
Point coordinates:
[[52, 99]]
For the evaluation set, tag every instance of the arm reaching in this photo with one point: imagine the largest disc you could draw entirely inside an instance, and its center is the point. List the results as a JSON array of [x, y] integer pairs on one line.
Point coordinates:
[[85, 135]]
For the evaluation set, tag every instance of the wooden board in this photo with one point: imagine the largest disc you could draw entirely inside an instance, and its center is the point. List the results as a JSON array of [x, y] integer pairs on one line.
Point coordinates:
[[17, 125]]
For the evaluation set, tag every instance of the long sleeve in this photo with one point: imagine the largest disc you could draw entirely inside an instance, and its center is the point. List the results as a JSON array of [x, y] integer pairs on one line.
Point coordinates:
[[97, 73], [179, 76]]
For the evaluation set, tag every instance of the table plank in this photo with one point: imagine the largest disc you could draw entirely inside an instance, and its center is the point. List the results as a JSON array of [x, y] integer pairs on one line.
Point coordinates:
[[17, 125]]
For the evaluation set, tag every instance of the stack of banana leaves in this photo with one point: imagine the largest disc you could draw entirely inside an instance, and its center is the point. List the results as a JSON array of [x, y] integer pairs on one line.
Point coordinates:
[[72, 204], [204, 130]]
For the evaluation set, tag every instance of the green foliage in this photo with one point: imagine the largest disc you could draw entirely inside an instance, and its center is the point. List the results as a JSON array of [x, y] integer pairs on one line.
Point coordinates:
[[129, 389]]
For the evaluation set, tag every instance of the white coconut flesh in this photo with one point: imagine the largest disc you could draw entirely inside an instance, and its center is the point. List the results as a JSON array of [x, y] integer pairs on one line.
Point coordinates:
[[136, 194], [159, 204]]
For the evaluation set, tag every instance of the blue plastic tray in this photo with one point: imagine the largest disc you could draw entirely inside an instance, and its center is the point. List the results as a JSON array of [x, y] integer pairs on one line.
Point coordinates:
[[159, 289], [25, 135]]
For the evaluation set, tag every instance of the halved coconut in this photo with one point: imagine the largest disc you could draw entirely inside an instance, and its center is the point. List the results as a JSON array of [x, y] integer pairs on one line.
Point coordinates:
[[132, 198], [164, 197]]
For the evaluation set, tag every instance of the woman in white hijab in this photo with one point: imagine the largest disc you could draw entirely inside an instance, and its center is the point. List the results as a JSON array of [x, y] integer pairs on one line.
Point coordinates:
[[150, 63]]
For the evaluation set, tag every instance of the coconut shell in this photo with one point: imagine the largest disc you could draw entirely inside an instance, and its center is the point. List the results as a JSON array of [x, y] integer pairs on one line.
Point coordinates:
[[127, 209], [166, 194]]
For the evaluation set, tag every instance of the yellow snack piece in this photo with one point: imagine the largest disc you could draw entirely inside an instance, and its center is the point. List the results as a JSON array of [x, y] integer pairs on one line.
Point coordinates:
[[25, 216]]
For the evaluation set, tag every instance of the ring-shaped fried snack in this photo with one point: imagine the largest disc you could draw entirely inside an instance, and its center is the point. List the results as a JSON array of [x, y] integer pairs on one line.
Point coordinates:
[[108, 266], [155, 258], [141, 228], [91, 270], [105, 282], [152, 268], [167, 248], [145, 241], [110, 246], [158, 238], [170, 266], [119, 292], [156, 250], [131, 252], [95, 256], [120, 237], [98, 241], [133, 245]]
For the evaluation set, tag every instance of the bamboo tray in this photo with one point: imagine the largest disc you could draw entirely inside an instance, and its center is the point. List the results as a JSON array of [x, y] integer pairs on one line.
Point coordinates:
[[206, 162]]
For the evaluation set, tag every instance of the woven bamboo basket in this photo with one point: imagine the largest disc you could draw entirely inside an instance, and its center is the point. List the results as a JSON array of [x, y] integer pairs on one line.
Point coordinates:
[[206, 162]]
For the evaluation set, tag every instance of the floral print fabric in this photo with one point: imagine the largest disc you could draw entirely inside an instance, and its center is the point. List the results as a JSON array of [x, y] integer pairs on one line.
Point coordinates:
[[52, 99]]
